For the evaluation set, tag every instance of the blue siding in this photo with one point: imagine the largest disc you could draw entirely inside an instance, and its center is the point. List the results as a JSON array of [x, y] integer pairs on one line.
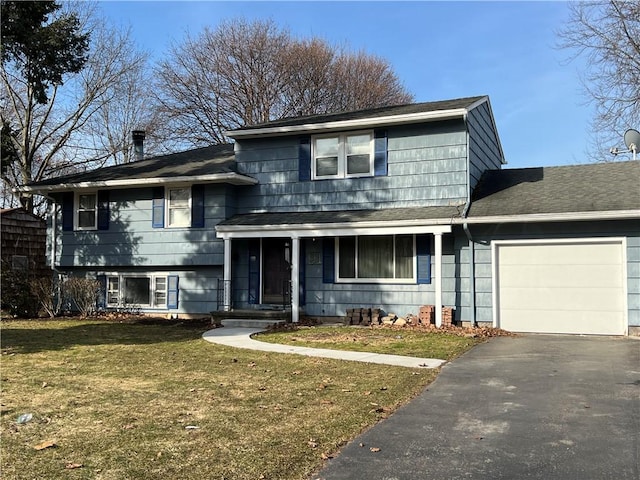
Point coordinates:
[[426, 167], [132, 240], [484, 144]]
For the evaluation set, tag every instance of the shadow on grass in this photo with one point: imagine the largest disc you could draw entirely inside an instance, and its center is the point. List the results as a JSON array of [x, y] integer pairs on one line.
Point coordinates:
[[50, 335]]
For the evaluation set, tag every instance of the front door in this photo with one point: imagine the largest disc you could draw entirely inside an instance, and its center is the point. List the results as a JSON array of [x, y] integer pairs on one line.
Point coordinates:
[[276, 270]]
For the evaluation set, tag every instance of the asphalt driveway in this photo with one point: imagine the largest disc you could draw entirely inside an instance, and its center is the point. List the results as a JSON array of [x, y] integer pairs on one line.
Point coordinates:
[[539, 406]]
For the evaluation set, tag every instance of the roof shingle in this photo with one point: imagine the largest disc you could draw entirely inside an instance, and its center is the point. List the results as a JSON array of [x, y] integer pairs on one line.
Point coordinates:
[[575, 188]]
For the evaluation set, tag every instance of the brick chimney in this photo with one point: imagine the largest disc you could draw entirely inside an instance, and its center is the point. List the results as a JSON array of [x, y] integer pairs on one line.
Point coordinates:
[[138, 143]]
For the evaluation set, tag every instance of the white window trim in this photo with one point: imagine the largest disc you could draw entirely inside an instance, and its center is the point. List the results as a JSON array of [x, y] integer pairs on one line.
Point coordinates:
[[167, 214], [152, 292], [76, 211], [342, 155], [397, 281]]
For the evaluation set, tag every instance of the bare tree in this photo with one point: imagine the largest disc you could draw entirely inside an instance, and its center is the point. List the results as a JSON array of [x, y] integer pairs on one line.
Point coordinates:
[[252, 72], [607, 34], [53, 134]]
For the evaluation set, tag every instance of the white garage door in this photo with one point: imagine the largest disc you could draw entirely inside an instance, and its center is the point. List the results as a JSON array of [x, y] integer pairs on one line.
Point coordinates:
[[560, 287]]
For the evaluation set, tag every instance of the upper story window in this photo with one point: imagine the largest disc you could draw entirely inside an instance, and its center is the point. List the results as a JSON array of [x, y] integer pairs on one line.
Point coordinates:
[[179, 207], [86, 211], [343, 155]]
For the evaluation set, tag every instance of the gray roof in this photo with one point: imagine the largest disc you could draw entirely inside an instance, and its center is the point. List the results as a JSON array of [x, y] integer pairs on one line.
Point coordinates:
[[596, 187], [387, 111], [343, 216], [201, 161]]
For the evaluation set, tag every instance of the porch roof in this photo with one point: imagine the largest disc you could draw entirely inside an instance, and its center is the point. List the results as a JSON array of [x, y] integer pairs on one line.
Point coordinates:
[[332, 222]]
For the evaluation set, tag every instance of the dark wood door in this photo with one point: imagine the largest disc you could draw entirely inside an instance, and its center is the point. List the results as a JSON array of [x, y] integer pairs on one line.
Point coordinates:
[[276, 269]]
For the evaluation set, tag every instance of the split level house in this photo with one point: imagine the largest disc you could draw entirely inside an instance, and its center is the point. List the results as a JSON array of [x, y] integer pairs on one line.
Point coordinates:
[[392, 208]]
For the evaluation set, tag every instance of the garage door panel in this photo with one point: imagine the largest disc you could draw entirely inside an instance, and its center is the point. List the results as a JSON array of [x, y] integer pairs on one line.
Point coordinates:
[[570, 299], [564, 287], [561, 254], [578, 276], [552, 321]]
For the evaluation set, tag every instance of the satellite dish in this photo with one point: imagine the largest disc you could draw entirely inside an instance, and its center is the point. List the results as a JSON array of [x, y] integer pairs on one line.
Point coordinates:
[[632, 139]]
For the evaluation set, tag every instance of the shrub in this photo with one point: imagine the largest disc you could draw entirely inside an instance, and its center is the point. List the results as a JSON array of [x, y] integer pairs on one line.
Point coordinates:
[[44, 290], [17, 297], [83, 293]]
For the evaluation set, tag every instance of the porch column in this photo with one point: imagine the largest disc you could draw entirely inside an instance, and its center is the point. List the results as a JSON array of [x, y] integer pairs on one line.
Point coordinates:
[[295, 279], [227, 274], [438, 267]]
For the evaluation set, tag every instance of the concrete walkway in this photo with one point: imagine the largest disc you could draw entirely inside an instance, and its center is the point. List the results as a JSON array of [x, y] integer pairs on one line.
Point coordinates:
[[241, 338]]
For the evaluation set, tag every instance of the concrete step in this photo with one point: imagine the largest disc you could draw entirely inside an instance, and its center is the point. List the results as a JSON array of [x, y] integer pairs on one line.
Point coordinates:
[[249, 322]]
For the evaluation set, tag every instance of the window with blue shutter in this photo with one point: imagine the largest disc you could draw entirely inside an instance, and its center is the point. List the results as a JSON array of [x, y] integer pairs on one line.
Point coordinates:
[[197, 206], [157, 208], [328, 260], [380, 153], [103, 209], [304, 159], [423, 254], [172, 291]]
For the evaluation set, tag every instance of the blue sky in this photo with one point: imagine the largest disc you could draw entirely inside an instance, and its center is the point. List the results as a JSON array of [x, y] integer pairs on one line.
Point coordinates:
[[440, 50]]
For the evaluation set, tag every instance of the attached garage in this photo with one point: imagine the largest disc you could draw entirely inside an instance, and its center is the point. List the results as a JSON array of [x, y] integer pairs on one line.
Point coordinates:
[[560, 286]]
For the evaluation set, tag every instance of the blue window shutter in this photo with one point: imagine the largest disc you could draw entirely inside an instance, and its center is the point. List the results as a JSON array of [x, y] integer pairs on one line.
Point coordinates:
[[101, 303], [423, 253], [67, 211], [303, 269], [328, 260], [254, 271], [103, 209], [380, 153], [197, 206], [304, 159], [157, 208], [172, 291]]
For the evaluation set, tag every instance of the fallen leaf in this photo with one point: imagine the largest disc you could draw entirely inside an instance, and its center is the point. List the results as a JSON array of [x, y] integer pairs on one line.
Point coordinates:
[[312, 443], [44, 384], [45, 444], [326, 402], [361, 444], [324, 456], [366, 393], [71, 466], [374, 449], [383, 388], [251, 364], [346, 390]]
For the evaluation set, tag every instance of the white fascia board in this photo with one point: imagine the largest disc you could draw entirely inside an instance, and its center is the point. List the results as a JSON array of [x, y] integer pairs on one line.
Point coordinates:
[[348, 124], [553, 217], [231, 178], [330, 230]]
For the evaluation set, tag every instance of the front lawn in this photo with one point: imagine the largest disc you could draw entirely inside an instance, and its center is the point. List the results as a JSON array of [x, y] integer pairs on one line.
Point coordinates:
[[395, 341], [149, 401]]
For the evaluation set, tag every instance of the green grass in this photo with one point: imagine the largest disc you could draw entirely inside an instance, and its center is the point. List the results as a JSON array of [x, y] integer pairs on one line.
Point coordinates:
[[116, 398]]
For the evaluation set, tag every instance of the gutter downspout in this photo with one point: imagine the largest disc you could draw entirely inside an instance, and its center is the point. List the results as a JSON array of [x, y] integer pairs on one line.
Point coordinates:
[[467, 232]]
